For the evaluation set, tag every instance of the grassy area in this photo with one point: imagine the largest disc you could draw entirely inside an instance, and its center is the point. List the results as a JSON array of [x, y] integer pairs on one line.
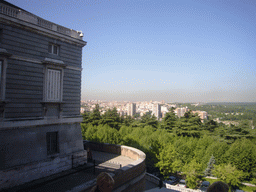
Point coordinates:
[[242, 187]]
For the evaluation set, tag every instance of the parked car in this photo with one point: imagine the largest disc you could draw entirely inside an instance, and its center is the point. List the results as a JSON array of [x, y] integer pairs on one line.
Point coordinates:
[[171, 180], [238, 190], [204, 185], [182, 183]]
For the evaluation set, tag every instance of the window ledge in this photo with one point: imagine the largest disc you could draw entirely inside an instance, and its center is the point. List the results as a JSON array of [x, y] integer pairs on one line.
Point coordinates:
[[21, 123], [3, 101], [52, 102], [4, 53], [54, 62]]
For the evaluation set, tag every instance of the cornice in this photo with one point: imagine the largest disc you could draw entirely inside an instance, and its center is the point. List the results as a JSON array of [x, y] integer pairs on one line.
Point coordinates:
[[40, 30]]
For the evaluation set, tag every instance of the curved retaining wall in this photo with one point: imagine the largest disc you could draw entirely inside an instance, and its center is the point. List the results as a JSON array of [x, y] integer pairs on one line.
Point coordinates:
[[131, 177]]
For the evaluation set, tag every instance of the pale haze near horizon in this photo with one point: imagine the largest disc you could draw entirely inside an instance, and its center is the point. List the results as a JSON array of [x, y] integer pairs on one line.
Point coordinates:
[[177, 51]]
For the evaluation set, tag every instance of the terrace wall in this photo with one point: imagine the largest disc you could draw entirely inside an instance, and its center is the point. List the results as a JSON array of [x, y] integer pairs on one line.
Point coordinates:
[[131, 177]]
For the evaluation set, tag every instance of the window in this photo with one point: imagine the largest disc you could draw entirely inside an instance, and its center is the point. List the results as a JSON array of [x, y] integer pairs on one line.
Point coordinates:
[[53, 85], [53, 88], [1, 74], [1, 35], [52, 143], [3, 65], [53, 49]]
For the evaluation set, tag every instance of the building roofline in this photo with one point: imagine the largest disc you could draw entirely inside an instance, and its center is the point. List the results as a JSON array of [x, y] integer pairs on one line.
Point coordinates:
[[11, 5], [20, 17]]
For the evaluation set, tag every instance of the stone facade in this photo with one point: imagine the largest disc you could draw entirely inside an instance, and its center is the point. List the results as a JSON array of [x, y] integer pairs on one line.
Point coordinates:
[[40, 93], [36, 170]]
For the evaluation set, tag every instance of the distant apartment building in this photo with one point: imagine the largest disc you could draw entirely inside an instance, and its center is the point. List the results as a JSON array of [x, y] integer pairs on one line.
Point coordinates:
[[163, 114], [181, 111], [164, 109], [131, 109], [202, 114], [82, 110], [121, 113], [156, 110]]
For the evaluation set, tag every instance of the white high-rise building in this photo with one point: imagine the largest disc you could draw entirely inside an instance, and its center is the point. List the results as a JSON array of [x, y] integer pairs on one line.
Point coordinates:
[[131, 111], [156, 110]]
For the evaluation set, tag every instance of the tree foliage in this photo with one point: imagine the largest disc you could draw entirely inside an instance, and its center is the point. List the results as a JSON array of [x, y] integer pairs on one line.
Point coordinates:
[[192, 171], [210, 166], [179, 144], [228, 174], [166, 160]]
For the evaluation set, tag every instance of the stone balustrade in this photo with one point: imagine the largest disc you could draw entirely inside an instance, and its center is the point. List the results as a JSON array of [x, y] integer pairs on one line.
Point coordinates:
[[33, 19]]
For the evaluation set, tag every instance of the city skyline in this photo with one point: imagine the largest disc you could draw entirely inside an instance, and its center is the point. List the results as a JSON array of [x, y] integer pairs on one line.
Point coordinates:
[[177, 51]]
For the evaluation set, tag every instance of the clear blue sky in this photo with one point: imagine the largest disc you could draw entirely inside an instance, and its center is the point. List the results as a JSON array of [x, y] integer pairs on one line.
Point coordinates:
[[172, 50]]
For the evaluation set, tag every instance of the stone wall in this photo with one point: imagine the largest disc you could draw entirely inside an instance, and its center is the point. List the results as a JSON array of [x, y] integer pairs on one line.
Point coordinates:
[[103, 147], [26, 145], [26, 173], [152, 178], [25, 156], [130, 177]]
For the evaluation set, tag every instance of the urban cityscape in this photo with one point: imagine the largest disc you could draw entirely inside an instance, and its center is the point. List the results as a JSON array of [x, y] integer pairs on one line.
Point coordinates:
[[138, 109]]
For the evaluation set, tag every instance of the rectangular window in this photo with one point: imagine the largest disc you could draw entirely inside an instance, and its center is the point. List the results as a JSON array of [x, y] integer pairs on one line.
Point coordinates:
[[1, 78], [1, 71], [52, 143], [1, 35], [53, 89], [53, 49]]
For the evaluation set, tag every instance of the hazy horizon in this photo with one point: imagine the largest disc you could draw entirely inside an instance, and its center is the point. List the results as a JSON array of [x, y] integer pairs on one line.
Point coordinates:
[[177, 51]]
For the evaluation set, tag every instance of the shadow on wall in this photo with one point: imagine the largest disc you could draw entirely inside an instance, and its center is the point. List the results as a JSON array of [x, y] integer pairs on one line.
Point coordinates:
[[130, 177]]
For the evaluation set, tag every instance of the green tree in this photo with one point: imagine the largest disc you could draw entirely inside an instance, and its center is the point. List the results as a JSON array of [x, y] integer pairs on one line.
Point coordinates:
[[147, 119], [242, 154], [228, 174], [165, 159], [91, 133], [190, 125], [111, 118], [128, 120], [192, 172], [210, 125], [169, 120], [86, 115], [106, 134], [95, 117], [202, 144], [218, 150], [210, 166], [184, 147]]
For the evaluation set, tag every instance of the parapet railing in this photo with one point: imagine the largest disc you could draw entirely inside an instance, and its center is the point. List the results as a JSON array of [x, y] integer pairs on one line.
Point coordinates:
[[176, 188], [31, 18], [126, 176], [152, 178]]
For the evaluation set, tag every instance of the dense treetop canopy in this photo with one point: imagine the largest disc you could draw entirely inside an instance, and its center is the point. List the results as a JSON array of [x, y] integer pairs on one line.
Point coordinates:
[[180, 145]]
